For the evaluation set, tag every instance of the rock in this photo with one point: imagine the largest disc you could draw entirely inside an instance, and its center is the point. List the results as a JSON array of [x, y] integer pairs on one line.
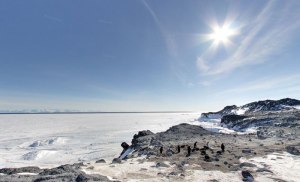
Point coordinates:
[[101, 161], [59, 170], [116, 161], [246, 151], [81, 178], [292, 150], [140, 134], [207, 158], [161, 164], [225, 162], [151, 153], [219, 152], [235, 168], [232, 119], [57, 177], [247, 176], [264, 170], [59, 174], [172, 174], [247, 164], [169, 152], [78, 165], [124, 145], [30, 169], [160, 174]]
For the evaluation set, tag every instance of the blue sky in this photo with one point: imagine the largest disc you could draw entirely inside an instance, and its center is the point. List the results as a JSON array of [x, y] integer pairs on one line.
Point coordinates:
[[147, 55]]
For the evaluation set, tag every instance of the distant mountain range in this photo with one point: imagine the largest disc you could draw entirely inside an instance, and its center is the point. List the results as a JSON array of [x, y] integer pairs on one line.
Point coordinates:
[[255, 107], [275, 113]]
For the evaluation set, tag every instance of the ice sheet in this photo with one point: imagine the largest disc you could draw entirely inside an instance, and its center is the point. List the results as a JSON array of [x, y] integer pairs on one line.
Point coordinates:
[[50, 140]]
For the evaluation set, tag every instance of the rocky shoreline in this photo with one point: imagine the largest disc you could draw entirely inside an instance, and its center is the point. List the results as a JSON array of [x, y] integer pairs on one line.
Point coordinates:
[[191, 153], [180, 154]]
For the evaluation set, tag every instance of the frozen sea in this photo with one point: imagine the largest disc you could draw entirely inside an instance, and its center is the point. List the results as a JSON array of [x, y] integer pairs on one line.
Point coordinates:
[[49, 140]]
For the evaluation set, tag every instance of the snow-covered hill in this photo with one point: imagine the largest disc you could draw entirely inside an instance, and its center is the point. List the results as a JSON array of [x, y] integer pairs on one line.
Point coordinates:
[[286, 104], [275, 113]]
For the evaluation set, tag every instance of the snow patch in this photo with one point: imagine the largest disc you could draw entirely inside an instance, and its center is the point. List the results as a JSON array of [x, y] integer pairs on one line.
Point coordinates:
[[33, 174], [284, 166], [297, 107], [38, 155], [51, 141], [240, 111]]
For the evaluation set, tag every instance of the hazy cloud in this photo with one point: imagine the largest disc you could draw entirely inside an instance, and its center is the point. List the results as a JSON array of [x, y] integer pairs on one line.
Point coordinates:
[[267, 35]]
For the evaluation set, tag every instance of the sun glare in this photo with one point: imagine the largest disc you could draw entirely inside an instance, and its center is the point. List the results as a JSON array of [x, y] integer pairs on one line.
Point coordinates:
[[221, 34]]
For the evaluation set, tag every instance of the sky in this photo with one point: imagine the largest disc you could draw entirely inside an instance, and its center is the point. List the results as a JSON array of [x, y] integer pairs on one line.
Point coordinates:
[[147, 55]]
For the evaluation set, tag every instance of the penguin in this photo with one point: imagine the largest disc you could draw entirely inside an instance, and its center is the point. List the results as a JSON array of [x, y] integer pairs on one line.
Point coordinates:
[[206, 157], [178, 148], [189, 151], [223, 147], [161, 149], [195, 145]]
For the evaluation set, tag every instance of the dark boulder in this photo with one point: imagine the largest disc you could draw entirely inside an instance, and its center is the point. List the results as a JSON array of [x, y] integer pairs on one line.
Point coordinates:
[[116, 161], [140, 134], [30, 169], [263, 170], [247, 176], [161, 164], [232, 119], [247, 164], [101, 161], [59, 170], [292, 150], [124, 145]]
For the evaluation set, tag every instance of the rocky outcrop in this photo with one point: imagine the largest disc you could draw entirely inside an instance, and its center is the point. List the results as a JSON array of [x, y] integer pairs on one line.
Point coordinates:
[[140, 134], [181, 132], [272, 105], [29, 169], [217, 115], [232, 119], [286, 104], [270, 113], [62, 173]]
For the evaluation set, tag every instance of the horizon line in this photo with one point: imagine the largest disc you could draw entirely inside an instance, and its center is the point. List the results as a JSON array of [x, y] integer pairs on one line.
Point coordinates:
[[99, 112]]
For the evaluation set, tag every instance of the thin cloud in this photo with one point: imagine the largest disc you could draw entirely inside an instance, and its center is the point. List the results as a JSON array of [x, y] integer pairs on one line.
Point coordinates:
[[282, 83], [171, 46], [267, 35]]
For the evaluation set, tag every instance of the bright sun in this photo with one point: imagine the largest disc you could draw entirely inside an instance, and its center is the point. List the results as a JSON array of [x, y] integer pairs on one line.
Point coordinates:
[[221, 34]]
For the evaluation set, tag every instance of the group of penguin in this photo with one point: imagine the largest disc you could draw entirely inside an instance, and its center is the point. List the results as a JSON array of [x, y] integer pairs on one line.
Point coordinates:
[[203, 150]]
